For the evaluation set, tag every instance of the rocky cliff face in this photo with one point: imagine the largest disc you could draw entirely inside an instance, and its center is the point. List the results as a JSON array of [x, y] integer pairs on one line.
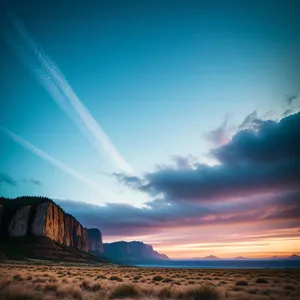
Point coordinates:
[[132, 251], [95, 240], [43, 218], [20, 221], [48, 232], [140, 249], [51, 221]]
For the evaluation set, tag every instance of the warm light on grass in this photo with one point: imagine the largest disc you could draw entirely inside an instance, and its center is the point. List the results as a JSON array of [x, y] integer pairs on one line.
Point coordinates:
[[92, 282]]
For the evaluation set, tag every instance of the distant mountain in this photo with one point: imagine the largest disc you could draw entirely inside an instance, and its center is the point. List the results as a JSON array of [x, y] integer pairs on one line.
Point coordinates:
[[134, 251], [209, 257], [278, 257], [294, 257], [240, 257], [291, 257]]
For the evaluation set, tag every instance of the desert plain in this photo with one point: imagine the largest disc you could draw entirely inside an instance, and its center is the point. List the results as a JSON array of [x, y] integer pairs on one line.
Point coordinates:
[[40, 280]]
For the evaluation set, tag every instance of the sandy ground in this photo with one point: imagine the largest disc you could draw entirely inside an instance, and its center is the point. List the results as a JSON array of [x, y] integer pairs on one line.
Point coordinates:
[[57, 281]]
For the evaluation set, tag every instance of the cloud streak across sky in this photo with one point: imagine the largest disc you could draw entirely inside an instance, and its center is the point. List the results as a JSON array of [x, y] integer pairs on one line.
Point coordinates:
[[52, 79]]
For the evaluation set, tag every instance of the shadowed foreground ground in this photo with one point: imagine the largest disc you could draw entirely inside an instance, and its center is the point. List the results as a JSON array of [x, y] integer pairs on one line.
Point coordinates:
[[55, 281]]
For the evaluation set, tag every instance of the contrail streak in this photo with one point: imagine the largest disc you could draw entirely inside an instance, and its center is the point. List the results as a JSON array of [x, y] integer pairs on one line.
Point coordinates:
[[52, 79], [58, 164]]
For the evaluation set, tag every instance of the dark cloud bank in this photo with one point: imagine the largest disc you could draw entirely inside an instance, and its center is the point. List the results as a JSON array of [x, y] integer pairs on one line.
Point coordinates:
[[257, 180]]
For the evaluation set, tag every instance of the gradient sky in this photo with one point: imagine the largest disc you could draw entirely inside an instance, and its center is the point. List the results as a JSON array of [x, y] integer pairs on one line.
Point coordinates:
[[114, 108]]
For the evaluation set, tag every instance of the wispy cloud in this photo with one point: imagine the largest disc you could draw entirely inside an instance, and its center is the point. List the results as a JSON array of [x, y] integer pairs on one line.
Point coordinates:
[[292, 105], [291, 99], [35, 182], [52, 79], [220, 135], [58, 164], [7, 179]]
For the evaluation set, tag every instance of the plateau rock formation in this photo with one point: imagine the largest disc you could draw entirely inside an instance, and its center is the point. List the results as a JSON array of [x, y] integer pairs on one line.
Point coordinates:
[[132, 251], [36, 227], [95, 241], [41, 217]]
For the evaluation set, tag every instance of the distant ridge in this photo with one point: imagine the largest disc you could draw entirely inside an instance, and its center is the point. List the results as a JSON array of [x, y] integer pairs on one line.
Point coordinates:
[[291, 257], [209, 257], [240, 257], [133, 251], [294, 257]]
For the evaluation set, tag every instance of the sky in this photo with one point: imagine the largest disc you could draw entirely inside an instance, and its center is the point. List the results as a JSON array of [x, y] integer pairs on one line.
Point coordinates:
[[174, 123]]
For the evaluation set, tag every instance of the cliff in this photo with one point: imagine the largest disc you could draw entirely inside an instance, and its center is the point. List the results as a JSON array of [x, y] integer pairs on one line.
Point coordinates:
[[95, 241], [44, 218], [132, 251], [29, 217], [37, 227]]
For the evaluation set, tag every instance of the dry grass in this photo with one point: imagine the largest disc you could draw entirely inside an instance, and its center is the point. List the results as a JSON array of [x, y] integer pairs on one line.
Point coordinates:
[[241, 283], [93, 282], [157, 278], [124, 291], [202, 292], [261, 280]]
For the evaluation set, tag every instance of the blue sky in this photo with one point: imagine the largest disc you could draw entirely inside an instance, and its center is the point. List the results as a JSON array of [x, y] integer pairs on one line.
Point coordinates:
[[157, 77]]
